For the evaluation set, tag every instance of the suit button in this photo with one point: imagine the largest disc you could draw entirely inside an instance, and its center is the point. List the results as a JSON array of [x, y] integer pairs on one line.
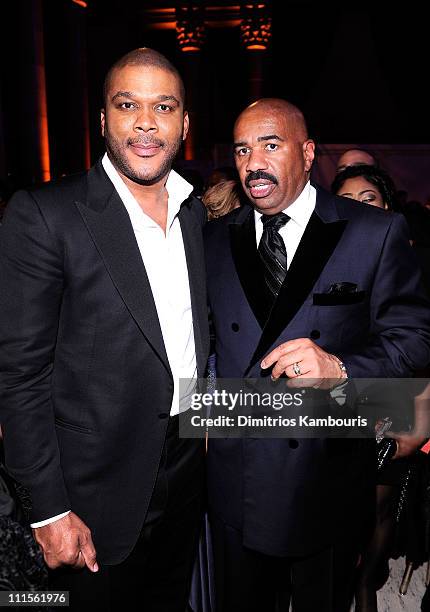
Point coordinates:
[[163, 415], [235, 327], [293, 443], [315, 334]]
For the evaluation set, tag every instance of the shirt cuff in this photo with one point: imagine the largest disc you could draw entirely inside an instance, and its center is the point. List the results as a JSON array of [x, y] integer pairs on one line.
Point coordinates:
[[49, 520]]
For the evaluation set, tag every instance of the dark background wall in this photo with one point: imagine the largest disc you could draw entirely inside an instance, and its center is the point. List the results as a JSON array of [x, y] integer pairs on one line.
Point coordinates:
[[358, 70]]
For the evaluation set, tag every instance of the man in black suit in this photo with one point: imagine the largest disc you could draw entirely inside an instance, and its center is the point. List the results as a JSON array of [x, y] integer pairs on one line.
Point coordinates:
[[313, 287], [102, 310]]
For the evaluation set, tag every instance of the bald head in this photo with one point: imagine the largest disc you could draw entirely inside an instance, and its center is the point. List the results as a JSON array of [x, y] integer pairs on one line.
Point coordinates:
[[355, 157], [143, 57], [280, 108]]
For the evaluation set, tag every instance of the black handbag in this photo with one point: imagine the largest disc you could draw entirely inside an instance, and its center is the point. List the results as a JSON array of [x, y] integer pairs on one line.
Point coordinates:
[[385, 447], [385, 450]]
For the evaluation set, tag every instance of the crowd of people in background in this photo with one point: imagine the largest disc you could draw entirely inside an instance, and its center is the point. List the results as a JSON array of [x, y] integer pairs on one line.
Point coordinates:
[[227, 194]]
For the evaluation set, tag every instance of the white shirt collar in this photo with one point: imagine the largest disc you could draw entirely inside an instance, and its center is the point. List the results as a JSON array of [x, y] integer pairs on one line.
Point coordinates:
[[301, 209], [178, 190]]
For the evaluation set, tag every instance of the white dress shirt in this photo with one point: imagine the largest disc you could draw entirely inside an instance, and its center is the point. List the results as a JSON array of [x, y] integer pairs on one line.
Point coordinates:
[[165, 263], [166, 267], [300, 212]]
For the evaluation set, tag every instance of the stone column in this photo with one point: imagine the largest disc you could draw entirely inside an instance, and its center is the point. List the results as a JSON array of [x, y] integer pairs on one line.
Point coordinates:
[[190, 35], [256, 32]]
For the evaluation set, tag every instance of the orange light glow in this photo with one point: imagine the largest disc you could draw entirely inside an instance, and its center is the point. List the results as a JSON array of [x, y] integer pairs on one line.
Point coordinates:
[[42, 120], [189, 146], [230, 23], [161, 11], [43, 135], [234, 7], [160, 18], [190, 30], [256, 27], [189, 49], [163, 25], [81, 3], [214, 16]]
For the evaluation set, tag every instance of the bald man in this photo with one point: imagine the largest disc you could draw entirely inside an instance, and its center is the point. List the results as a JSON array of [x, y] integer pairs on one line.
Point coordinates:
[[341, 298], [102, 310], [355, 157]]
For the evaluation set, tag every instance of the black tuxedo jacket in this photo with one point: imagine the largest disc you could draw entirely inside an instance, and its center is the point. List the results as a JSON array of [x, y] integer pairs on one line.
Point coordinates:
[[291, 497], [86, 386]]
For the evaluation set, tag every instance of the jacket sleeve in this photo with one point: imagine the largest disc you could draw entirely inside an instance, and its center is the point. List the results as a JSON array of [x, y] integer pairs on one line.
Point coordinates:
[[31, 287], [399, 343]]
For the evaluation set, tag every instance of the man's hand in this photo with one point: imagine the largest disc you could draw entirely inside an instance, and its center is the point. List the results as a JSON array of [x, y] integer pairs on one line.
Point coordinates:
[[315, 365], [67, 542]]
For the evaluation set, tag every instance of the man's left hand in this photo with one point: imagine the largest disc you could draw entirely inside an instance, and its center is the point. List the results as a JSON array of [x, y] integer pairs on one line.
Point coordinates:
[[304, 362]]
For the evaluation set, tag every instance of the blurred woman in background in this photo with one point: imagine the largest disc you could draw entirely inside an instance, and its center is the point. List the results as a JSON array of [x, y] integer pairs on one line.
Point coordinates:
[[368, 184], [222, 198], [371, 185]]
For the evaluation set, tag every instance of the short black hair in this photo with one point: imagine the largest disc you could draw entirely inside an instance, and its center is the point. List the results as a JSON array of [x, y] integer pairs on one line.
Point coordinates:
[[143, 57], [374, 175]]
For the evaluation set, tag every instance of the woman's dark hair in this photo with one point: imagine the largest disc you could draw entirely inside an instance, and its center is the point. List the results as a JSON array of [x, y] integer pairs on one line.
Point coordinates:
[[376, 176]]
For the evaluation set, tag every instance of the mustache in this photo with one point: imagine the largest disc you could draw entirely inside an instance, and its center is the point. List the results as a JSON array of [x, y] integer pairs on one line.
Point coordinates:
[[145, 140], [260, 174]]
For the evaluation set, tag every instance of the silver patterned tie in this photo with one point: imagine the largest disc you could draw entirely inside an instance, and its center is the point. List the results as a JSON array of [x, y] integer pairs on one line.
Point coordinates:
[[273, 252]]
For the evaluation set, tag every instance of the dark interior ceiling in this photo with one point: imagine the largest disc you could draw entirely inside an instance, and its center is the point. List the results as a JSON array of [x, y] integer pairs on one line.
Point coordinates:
[[358, 70]]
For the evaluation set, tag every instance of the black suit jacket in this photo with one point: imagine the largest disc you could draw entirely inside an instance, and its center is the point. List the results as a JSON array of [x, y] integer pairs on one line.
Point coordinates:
[[86, 386], [292, 497]]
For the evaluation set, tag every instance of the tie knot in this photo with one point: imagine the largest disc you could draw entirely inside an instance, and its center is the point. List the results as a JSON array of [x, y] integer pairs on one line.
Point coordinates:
[[274, 222]]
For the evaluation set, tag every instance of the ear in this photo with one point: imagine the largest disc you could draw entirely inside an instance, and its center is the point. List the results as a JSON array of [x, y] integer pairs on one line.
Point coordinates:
[[186, 126], [102, 120], [308, 153]]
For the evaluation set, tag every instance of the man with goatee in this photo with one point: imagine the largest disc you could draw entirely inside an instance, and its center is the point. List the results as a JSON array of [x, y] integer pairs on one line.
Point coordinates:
[[102, 310]]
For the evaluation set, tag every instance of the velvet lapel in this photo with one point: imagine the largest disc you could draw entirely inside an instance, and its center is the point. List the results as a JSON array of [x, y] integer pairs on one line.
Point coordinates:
[[109, 225], [319, 240], [248, 264], [193, 245]]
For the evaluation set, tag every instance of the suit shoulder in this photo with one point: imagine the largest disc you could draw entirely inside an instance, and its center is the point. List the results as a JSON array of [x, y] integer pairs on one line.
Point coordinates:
[[219, 226], [374, 221], [67, 186], [198, 209], [59, 193], [54, 202], [355, 210]]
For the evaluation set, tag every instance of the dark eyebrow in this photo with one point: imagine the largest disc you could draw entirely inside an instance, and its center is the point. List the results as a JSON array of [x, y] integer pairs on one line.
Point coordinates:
[[164, 98], [270, 137], [239, 144], [130, 94], [122, 94]]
